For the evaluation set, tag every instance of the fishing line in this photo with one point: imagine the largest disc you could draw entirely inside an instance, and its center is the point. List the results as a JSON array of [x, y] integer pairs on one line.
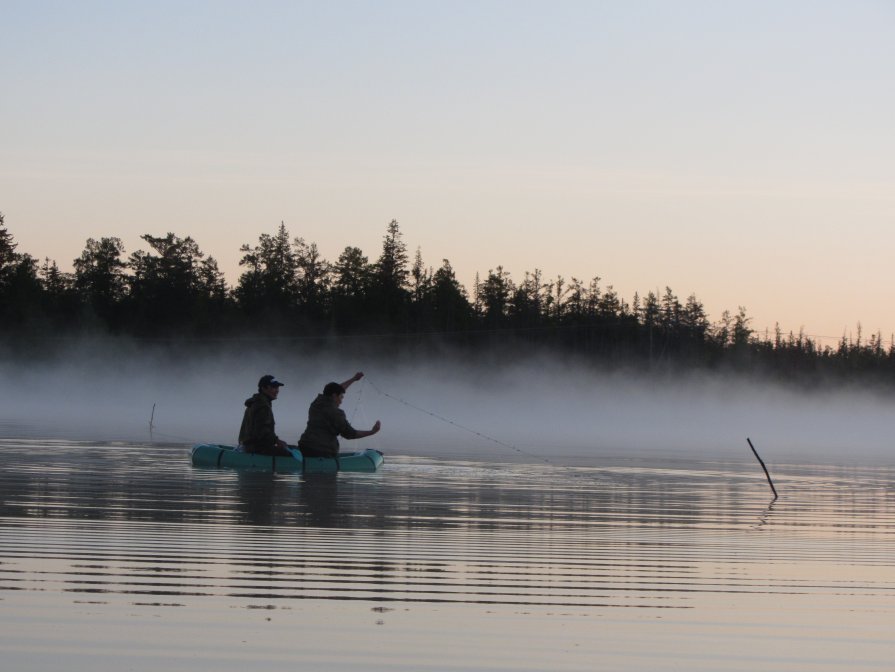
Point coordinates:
[[179, 438], [359, 408], [153, 432], [457, 424], [360, 395]]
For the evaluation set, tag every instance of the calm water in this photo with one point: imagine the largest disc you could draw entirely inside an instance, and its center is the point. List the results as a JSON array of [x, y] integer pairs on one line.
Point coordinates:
[[125, 557]]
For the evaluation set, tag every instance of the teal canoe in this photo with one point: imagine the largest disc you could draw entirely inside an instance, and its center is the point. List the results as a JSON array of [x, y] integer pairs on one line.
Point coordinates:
[[215, 455]]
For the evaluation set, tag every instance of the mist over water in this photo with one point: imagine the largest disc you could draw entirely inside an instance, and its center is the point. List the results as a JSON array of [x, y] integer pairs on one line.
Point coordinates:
[[534, 407], [651, 522]]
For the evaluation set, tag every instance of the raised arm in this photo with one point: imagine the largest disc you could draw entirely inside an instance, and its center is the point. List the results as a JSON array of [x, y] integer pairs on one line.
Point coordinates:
[[356, 377]]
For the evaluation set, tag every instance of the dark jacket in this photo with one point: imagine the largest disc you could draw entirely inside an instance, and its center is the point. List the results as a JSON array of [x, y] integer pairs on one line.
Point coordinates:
[[257, 430], [326, 422]]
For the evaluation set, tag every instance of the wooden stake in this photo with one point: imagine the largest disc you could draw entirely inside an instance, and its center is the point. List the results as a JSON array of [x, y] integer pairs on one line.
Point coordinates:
[[761, 462]]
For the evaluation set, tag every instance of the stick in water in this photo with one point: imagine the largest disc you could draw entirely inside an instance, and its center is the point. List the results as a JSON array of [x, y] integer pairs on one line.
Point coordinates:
[[761, 462]]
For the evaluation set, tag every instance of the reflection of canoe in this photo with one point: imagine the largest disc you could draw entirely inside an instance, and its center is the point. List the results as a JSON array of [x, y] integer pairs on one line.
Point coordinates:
[[214, 455]]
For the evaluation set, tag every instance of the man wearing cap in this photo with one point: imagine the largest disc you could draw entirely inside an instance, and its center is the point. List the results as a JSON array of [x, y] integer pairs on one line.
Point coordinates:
[[257, 435], [327, 422]]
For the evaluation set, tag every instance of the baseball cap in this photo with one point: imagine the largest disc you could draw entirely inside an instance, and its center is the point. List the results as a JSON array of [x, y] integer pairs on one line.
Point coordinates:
[[269, 381]]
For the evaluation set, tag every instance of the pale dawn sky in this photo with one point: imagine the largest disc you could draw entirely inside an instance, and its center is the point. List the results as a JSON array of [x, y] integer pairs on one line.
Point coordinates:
[[741, 151]]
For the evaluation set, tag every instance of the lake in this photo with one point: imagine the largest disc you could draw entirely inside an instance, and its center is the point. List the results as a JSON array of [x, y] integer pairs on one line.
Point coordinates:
[[123, 556]]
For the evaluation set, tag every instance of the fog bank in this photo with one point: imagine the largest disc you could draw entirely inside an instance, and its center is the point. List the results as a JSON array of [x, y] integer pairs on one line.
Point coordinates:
[[534, 407]]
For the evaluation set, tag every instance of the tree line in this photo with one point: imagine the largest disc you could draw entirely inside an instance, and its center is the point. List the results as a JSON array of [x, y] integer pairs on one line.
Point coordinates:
[[286, 288]]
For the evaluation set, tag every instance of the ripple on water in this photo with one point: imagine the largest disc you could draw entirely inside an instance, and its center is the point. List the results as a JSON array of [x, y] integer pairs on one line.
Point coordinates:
[[138, 520], [438, 565]]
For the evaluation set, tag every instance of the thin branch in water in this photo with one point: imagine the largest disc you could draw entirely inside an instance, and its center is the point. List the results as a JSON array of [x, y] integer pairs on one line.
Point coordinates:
[[761, 462]]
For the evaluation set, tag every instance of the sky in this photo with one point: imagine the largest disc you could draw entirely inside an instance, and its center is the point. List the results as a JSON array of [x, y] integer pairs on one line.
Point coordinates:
[[741, 151]]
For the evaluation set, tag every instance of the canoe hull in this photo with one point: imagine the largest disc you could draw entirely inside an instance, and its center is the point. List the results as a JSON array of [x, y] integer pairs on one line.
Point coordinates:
[[215, 455]]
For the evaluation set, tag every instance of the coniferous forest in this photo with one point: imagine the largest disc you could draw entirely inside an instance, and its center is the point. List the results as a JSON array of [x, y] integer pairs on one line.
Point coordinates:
[[170, 291]]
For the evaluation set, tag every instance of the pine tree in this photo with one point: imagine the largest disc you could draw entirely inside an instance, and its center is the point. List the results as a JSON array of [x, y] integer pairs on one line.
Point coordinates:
[[390, 290], [100, 279], [495, 293], [7, 246], [391, 269], [314, 279], [269, 287], [165, 283]]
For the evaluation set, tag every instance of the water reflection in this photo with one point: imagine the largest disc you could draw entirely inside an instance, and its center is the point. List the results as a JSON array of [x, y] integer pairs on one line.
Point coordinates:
[[318, 496], [256, 494], [138, 520]]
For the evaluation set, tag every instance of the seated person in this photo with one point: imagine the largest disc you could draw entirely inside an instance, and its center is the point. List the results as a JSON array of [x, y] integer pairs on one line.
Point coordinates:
[[327, 422], [257, 435]]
